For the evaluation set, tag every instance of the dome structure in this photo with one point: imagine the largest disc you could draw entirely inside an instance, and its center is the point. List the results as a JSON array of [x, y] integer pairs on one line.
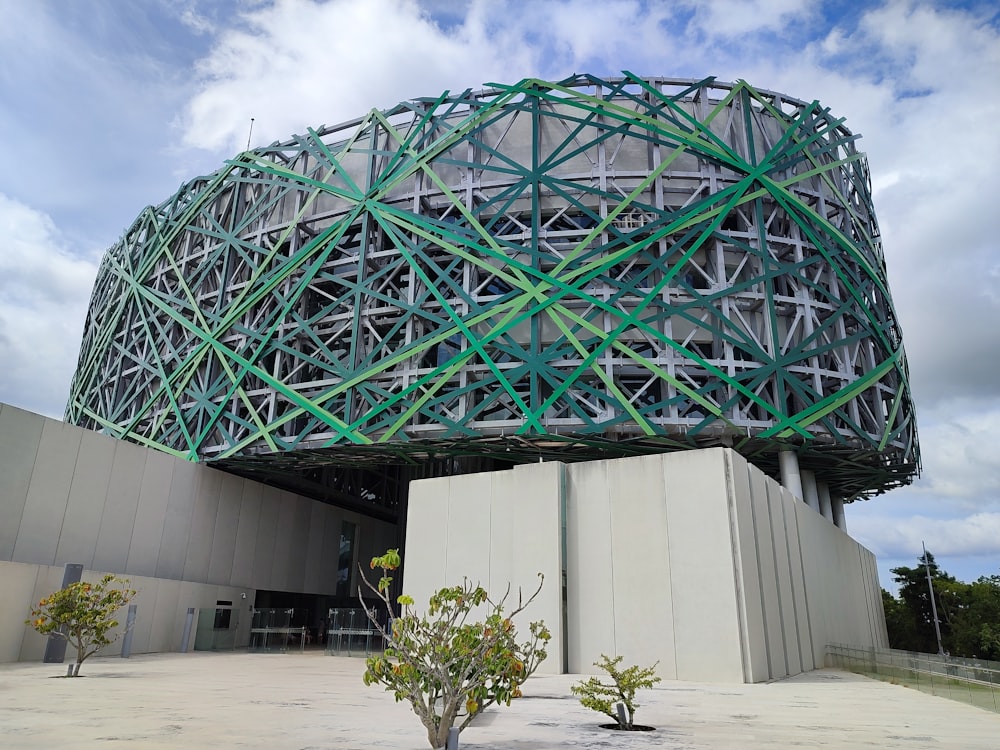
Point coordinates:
[[572, 270]]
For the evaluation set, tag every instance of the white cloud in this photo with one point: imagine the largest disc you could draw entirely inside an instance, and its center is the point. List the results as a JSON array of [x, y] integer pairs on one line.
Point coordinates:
[[899, 538], [731, 18], [198, 23], [88, 91], [962, 456], [954, 507], [583, 36], [929, 44], [44, 291], [296, 64]]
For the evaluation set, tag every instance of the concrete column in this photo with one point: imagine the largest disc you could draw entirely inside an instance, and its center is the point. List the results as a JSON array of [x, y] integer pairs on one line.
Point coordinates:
[[825, 506], [788, 465], [129, 628], [55, 647], [809, 491], [838, 513]]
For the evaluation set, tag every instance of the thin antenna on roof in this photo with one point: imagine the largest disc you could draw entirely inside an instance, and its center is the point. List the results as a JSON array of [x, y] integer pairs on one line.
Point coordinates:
[[249, 134]]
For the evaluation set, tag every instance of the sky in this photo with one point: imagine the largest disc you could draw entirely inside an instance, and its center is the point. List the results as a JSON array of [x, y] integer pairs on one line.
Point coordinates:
[[107, 106]]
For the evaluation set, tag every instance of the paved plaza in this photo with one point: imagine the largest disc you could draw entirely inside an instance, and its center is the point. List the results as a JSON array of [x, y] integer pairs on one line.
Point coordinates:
[[311, 701]]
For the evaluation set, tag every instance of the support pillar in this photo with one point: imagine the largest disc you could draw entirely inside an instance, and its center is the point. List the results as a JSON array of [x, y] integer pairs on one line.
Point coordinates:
[[825, 504], [788, 465], [186, 636], [838, 513], [55, 646], [809, 492], [129, 627]]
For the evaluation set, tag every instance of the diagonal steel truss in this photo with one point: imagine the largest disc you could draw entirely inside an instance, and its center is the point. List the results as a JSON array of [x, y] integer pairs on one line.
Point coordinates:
[[574, 269]]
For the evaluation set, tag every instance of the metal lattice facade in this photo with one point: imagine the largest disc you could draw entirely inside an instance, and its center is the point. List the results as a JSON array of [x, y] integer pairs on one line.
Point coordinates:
[[579, 269]]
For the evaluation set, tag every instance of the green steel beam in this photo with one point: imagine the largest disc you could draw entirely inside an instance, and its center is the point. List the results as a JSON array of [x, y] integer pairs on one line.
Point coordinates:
[[464, 271]]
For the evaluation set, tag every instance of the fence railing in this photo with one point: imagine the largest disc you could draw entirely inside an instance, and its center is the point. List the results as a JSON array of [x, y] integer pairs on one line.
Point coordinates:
[[271, 631], [350, 631], [973, 681]]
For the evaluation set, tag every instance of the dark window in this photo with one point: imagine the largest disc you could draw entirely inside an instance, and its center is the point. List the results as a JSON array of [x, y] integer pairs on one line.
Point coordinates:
[[344, 568], [223, 613]]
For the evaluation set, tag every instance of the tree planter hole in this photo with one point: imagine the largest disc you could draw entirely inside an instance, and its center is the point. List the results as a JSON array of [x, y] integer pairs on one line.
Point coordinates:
[[635, 728]]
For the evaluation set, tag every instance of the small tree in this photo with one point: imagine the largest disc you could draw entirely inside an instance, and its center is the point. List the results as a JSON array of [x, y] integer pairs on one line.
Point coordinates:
[[595, 695], [447, 667], [83, 614]]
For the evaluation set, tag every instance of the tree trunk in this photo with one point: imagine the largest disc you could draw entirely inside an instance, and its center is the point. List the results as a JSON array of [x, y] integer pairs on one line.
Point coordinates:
[[442, 735], [432, 737], [79, 655], [438, 736]]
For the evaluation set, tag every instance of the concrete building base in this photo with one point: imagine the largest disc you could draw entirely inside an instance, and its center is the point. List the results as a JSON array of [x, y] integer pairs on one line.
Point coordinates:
[[694, 560], [184, 534]]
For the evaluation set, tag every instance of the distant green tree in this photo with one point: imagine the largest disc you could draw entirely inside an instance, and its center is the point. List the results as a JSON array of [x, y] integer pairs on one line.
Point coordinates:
[[989, 641], [900, 624], [969, 613], [974, 618], [987, 616], [915, 596]]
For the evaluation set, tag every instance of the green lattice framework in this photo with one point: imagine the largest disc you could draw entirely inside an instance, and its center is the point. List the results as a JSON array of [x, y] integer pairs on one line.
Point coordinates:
[[575, 269]]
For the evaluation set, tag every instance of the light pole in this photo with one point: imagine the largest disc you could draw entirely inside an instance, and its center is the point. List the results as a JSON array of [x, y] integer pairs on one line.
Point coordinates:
[[930, 588]]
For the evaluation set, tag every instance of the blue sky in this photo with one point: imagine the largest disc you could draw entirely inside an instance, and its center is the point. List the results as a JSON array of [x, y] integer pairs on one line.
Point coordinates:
[[107, 106]]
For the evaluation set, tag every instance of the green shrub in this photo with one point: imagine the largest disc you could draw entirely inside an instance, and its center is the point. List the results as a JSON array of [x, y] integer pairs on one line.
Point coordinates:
[[447, 667], [83, 614], [595, 695]]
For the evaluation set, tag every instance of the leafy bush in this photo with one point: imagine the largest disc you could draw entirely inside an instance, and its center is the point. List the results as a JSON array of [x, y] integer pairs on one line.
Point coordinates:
[[447, 667], [83, 614], [595, 695]]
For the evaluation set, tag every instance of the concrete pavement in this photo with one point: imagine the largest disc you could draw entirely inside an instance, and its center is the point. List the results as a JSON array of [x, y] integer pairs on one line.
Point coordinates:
[[312, 701]]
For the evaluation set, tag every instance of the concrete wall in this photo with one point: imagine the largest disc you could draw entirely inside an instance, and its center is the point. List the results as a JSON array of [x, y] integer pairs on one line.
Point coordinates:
[[69, 495], [161, 610], [696, 560], [803, 582], [497, 529], [650, 566]]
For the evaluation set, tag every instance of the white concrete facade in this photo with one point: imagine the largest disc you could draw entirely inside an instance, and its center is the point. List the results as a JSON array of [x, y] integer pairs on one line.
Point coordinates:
[[496, 529], [695, 560], [186, 535]]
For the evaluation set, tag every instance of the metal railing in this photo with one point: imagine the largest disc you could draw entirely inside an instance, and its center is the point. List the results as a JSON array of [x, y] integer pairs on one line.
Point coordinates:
[[349, 630], [972, 681], [271, 631]]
